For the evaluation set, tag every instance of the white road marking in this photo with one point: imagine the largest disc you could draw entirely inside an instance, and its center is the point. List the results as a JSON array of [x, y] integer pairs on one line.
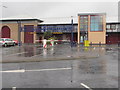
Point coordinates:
[[13, 88], [14, 71], [22, 70], [54, 69], [86, 86]]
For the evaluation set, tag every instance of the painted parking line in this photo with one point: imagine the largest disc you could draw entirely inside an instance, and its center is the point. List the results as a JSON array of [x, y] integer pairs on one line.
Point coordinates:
[[13, 88], [35, 70], [54, 69], [14, 71], [85, 86]]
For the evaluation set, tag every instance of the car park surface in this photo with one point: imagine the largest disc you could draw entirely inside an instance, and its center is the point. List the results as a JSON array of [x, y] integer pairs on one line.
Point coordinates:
[[55, 67]]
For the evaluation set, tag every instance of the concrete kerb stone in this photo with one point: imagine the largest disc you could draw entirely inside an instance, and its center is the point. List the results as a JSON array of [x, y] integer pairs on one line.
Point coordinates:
[[48, 59]]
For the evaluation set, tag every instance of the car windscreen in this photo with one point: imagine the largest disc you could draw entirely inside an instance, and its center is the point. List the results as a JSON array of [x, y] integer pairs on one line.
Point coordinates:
[[8, 40]]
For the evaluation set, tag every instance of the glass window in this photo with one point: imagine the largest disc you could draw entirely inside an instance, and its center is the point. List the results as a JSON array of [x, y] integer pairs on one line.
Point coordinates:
[[112, 26], [96, 23], [75, 28], [6, 39], [84, 23], [108, 27], [10, 40]]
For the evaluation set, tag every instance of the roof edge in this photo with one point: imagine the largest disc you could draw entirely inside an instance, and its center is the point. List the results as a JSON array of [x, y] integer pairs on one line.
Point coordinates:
[[91, 14], [6, 20]]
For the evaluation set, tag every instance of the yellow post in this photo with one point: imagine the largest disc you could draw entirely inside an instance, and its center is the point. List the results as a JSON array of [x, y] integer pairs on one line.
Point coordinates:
[[86, 43]]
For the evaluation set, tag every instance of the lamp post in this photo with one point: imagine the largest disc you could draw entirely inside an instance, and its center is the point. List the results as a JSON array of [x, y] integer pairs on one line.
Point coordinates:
[[19, 32], [72, 31]]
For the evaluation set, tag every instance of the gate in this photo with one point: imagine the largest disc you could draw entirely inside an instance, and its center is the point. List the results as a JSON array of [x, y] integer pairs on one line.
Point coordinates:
[[28, 34]]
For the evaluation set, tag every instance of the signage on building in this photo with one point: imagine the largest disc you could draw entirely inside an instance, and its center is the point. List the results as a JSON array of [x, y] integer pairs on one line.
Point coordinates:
[[31, 32], [58, 28], [57, 33]]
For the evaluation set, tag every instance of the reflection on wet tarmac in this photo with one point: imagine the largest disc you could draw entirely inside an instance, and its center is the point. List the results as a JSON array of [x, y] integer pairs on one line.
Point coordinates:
[[59, 50], [44, 53], [92, 67], [31, 51], [100, 72]]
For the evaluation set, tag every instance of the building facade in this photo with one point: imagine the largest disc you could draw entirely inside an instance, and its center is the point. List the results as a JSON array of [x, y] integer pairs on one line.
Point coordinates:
[[22, 30], [60, 31], [92, 27], [113, 33], [64, 33]]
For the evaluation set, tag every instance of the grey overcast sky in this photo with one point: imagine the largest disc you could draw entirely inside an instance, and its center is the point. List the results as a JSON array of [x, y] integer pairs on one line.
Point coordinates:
[[59, 9]]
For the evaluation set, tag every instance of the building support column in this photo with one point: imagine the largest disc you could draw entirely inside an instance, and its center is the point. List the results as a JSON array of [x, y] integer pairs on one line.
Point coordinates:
[[104, 28], [78, 36], [88, 27], [35, 35]]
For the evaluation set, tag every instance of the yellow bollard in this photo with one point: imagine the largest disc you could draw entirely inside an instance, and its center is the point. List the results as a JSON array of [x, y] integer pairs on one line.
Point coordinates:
[[86, 43]]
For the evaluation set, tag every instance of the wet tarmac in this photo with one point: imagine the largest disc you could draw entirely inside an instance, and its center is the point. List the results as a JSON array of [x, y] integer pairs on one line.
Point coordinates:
[[99, 72], [36, 52]]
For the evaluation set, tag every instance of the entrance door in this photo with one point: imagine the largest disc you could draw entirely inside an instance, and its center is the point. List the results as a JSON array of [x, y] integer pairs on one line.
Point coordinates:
[[28, 34], [5, 32], [83, 37], [112, 38]]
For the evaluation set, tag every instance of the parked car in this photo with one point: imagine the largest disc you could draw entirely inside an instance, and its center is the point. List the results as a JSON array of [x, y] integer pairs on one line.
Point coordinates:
[[16, 42], [7, 42]]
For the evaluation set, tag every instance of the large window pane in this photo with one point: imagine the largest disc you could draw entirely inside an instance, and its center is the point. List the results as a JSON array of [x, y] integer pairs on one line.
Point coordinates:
[[84, 23], [96, 23], [112, 26]]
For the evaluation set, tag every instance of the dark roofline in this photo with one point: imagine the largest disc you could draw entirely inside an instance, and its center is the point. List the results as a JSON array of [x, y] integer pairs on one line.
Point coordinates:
[[21, 20], [56, 24], [112, 22], [74, 24], [91, 14]]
